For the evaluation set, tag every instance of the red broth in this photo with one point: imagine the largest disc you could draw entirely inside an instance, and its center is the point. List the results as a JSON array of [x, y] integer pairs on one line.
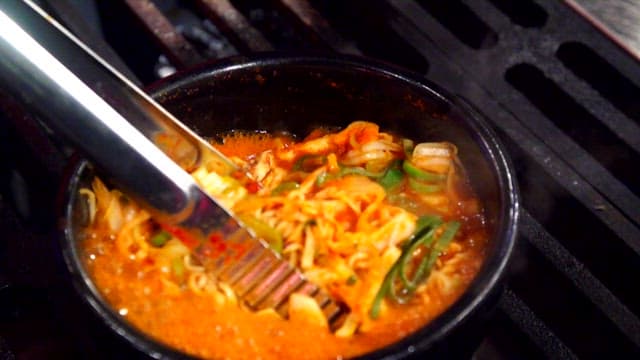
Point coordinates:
[[147, 290]]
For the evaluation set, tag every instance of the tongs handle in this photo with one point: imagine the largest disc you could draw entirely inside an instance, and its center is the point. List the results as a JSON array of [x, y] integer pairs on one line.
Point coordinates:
[[62, 83], [60, 78]]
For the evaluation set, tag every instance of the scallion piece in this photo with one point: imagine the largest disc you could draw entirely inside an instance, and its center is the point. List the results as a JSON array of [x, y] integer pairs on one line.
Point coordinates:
[[386, 288], [374, 312], [427, 263], [423, 236], [392, 177], [426, 221], [177, 267], [297, 166], [344, 171], [355, 170], [445, 239], [411, 284], [422, 188], [423, 175], [322, 178], [425, 227], [285, 187], [301, 163], [160, 238]]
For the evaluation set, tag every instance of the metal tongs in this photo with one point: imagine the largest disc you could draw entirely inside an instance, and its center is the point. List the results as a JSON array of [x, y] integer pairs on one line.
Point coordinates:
[[124, 132]]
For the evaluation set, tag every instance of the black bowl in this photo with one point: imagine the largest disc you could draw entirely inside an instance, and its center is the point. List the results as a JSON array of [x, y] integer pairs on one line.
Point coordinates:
[[299, 93]]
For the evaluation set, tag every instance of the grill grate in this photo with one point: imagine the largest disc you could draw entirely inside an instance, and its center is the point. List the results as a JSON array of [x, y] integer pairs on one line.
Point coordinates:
[[562, 96]]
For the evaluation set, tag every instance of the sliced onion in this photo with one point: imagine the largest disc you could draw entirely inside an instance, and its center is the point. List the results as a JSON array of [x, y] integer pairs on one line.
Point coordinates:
[[437, 149], [381, 145]]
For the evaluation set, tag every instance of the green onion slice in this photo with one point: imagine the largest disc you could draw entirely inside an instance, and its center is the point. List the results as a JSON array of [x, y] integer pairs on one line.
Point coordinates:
[[323, 178], [422, 188], [411, 284], [344, 171], [355, 170], [425, 228], [285, 187], [160, 238], [304, 161], [423, 236], [178, 269], [423, 175], [392, 177], [374, 312]]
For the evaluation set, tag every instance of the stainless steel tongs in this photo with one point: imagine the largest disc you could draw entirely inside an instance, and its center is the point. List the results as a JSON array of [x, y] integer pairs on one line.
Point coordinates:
[[121, 131]]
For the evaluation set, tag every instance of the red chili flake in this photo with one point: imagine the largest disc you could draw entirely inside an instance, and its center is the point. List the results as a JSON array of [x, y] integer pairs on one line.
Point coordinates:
[[218, 242], [239, 250], [215, 238], [253, 187], [238, 175], [133, 248], [182, 235]]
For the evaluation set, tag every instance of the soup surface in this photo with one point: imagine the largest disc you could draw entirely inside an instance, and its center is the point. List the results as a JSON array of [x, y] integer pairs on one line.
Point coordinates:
[[389, 228]]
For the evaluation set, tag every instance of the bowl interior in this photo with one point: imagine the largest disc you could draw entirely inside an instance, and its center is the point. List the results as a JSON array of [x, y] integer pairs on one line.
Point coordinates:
[[298, 94]]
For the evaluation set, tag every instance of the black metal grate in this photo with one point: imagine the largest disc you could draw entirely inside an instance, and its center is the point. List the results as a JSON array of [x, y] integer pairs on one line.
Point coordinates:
[[563, 97]]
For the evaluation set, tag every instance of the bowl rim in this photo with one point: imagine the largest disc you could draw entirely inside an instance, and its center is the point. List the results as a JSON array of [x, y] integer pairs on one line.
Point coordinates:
[[486, 282]]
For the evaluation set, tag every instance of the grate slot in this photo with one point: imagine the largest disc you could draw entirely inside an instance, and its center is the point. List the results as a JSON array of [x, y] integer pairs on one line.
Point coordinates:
[[312, 20], [139, 52], [580, 230], [577, 123], [235, 25], [506, 340], [281, 28], [525, 13], [365, 22], [602, 76], [552, 309], [513, 114], [581, 277], [589, 240], [179, 51], [88, 30], [528, 321], [463, 23]]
